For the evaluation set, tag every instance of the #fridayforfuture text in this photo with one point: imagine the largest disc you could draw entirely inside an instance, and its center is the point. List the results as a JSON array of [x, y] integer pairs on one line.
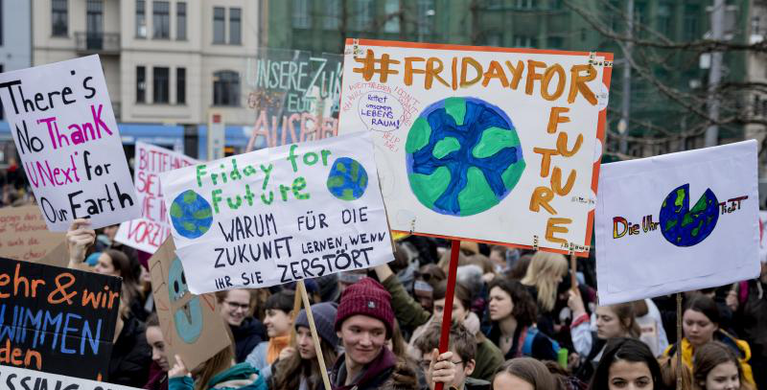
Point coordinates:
[[65, 132], [506, 139]]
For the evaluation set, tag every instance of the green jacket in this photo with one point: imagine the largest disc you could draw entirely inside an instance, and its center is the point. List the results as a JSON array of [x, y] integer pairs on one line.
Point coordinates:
[[488, 359], [242, 376], [409, 313]]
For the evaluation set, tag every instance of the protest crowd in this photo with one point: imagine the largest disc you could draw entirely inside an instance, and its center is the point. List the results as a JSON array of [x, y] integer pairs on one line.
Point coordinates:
[[518, 324], [223, 302]]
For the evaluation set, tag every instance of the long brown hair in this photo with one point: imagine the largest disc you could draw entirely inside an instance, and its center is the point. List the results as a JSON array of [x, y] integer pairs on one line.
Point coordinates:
[[710, 355], [219, 363], [627, 319], [289, 371]]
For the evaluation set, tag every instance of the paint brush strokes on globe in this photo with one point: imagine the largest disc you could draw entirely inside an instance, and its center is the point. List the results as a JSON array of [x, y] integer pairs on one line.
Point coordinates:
[[463, 156], [347, 179], [191, 214], [683, 226]]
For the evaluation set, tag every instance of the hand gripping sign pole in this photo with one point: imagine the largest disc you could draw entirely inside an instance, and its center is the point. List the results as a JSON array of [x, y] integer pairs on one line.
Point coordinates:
[[315, 336], [447, 314]]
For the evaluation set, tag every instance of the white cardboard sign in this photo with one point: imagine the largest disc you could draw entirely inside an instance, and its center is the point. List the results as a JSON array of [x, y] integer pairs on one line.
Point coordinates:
[[65, 132], [21, 378], [677, 222], [508, 140], [277, 215], [149, 232]]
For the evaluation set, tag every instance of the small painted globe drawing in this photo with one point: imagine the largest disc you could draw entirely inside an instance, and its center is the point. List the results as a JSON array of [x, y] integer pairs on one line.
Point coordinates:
[[683, 226], [463, 156], [191, 214], [347, 179]]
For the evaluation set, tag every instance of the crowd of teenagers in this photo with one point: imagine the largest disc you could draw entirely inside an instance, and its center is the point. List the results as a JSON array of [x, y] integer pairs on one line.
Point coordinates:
[[518, 323]]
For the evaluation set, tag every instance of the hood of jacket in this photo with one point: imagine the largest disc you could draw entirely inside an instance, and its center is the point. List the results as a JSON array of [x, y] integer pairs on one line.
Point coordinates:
[[238, 376]]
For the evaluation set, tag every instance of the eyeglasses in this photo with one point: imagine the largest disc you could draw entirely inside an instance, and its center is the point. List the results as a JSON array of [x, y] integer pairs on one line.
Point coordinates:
[[235, 305], [424, 364]]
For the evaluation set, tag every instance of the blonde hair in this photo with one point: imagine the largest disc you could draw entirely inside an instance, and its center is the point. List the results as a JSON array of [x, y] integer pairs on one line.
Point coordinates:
[[544, 273]]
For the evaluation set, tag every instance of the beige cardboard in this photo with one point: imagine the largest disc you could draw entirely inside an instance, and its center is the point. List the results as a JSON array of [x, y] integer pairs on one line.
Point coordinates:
[[25, 236], [191, 324]]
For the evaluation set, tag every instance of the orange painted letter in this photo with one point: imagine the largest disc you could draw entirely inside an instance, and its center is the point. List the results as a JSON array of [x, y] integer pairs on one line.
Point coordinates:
[[409, 71], [465, 62], [541, 197], [545, 159], [556, 117], [551, 228], [556, 181], [578, 83], [561, 80], [532, 75], [562, 145], [495, 71]]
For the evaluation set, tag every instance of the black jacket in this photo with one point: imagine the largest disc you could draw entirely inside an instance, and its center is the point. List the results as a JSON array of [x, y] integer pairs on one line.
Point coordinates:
[[131, 356], [247, 336]]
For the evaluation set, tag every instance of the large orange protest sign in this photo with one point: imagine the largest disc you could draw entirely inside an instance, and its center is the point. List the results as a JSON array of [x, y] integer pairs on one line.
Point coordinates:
[[506, 139], [191, 324], [25, 236]]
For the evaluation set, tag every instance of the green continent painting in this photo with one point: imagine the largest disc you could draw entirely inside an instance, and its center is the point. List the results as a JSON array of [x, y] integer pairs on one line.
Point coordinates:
[[463, 156], [683, 226]]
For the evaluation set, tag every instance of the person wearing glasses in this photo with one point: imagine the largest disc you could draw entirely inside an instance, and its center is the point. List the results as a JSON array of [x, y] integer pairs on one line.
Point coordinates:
[[463, 345], [236, 307]]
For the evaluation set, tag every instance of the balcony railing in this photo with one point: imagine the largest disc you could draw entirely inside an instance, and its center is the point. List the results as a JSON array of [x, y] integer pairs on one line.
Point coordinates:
[[101, 43]]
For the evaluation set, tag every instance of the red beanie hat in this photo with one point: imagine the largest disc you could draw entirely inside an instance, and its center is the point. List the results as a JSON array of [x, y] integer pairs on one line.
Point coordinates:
[[366, 297]]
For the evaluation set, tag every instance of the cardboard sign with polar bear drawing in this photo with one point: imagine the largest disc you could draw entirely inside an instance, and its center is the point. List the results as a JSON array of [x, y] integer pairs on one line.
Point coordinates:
[[191, 324]]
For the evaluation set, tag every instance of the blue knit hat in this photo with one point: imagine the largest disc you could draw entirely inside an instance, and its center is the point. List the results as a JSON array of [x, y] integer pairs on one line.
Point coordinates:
[[324, 317]]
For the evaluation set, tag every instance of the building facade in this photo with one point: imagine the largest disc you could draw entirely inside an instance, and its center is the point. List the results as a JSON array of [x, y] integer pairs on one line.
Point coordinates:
[[169, 65]]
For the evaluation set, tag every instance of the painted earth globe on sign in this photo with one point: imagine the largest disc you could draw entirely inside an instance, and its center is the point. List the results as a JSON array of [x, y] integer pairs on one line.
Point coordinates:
[[683, 226], [191, 214], [463, 156], [347, 179]]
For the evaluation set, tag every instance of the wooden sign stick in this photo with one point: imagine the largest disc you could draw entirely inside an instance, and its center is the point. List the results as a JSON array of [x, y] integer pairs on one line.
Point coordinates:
[[447, 313], [294, 314], [315, 336], [573, 273]]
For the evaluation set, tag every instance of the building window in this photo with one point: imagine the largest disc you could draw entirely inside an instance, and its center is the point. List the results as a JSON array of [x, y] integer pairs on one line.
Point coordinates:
[[181, 21], [691, 15], [331, 19], [219, 25], [140, 19], [140, 84], [301, 16], [525, 4], [664, 19], [524, 41], [555, 43], [160, 84], [59, 18], [364, 14], [425, 16], [391, 11], [161, 19], [226, 88], [235, 26], [180, 85]]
